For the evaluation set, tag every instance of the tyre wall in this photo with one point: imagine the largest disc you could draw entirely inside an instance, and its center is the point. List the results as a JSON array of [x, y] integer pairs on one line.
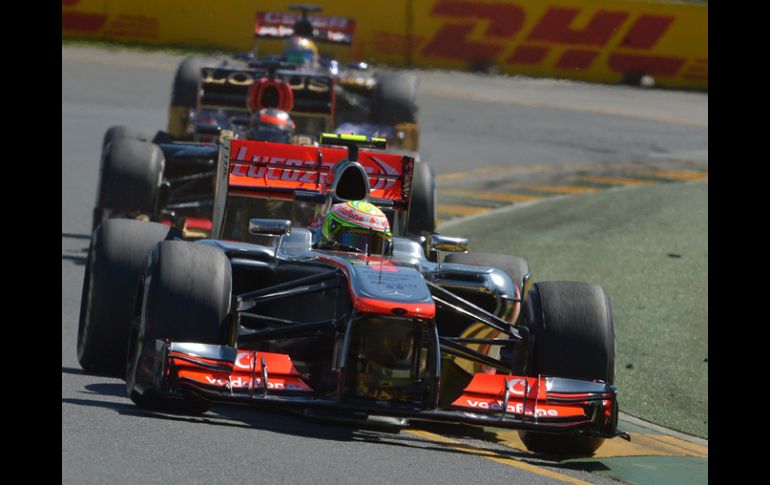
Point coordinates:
[[591, 40]]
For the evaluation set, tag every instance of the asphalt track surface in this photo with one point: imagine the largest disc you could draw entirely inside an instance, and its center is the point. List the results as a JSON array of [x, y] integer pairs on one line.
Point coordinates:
[[501, 124]]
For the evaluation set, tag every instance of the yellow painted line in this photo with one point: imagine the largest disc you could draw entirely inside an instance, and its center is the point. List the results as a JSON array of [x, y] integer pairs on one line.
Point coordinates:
[[556, 189], [640, 445], [698, 450], [465, 95], [489, 455], [673, 174], [495, 196], [461, 210], [603, 179]]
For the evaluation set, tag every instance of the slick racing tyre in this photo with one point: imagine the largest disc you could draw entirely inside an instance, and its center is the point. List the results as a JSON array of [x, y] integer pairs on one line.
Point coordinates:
[[116, 259], [184, 297], [574, 336], [115, 132], [130, 179], [395, 98], [184, 95], [148, 136], [421, 217]]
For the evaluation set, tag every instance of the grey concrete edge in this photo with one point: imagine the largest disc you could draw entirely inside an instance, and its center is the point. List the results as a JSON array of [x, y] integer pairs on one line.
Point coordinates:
[[661, 430]]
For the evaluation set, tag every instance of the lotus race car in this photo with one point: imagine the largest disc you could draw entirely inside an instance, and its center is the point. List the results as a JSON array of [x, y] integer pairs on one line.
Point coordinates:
[[261, 314], [369, 102]]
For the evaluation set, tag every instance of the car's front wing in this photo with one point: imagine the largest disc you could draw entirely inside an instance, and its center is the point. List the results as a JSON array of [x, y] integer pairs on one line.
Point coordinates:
[[225, 374]]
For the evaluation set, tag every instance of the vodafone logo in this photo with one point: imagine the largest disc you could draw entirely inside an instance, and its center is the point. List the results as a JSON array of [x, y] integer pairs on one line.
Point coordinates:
[[243, 361], [517, 386], [517, 408], [241, 383]]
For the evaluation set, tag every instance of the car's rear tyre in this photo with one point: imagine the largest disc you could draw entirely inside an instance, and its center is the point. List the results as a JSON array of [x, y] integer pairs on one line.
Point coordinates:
[[574, 336], [184, 95], [421, 218], [116, 259], [115, 132], [130, 178], [148, 136], [395, 98], [184, 297]]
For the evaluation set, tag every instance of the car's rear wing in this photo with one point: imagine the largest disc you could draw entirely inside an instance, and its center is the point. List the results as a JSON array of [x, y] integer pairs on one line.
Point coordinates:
[[266, 170], [276, 170], [227, 88], [327, 29]]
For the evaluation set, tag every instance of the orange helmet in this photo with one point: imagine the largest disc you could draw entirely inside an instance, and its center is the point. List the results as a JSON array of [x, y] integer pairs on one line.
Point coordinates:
[[270, 124]]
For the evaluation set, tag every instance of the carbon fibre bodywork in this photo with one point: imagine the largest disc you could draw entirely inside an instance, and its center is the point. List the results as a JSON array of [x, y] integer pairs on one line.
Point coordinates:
[[305, 320]]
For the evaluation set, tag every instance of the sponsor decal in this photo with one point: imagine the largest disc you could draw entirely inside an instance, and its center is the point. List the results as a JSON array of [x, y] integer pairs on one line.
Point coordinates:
[[517, 386], [239, 382], [517, 408], [78, 21], [307, 170], [118, 26], [297, 82], [576, 36]]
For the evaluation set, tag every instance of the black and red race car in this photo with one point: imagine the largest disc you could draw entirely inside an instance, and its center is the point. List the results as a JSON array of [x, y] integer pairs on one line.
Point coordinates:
[[261, 315], [373, 102], [155, 176]]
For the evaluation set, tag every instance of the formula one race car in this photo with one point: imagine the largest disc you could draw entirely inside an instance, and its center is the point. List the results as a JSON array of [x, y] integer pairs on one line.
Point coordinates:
[[159, 178], [340, 317], [372, 103]]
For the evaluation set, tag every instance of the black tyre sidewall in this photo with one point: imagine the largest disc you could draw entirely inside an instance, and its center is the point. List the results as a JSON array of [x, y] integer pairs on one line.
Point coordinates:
[[574, 331], [119, 131], [421, 217], [116, 259], [189, 293], [184, 91], [185, 297], [131, 176]]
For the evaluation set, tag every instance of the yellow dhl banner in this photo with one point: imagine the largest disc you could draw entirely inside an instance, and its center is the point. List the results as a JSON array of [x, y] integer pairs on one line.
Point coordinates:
[[588, 40]]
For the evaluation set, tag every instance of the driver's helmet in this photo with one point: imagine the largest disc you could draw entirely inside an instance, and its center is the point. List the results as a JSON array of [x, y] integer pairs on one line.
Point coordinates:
[[301, 51], [357, 226], [270, 124]]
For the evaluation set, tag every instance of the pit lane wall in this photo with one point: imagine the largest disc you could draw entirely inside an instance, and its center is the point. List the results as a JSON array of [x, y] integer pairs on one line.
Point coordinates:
[[590, 40]]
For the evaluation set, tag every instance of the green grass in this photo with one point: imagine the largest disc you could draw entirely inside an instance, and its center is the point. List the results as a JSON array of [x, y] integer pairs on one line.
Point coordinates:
[[648, 248]]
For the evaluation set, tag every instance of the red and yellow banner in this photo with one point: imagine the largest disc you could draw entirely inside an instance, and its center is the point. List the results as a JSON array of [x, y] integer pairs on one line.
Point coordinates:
[[591, 40]]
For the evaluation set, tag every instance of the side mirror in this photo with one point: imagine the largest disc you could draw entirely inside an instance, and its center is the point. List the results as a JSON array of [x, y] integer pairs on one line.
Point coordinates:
[[270, 227], [449, 244], [439, 243]]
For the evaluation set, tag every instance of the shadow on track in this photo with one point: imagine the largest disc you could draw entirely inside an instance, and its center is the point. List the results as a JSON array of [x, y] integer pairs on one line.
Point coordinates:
[[289, 423], [75, 258], [71, 254], [70, 235]]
